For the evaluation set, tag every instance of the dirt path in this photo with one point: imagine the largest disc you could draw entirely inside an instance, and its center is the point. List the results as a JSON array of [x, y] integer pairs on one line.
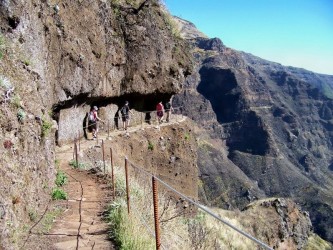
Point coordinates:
[[81, 225]]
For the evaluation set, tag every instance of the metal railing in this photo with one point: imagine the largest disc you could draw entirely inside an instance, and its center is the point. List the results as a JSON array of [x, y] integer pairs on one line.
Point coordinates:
[[133, 169]]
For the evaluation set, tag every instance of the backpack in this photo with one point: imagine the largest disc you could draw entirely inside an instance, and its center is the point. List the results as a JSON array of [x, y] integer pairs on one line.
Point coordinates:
[[159, 107], [123, 111], [91, 116], [168, 105]]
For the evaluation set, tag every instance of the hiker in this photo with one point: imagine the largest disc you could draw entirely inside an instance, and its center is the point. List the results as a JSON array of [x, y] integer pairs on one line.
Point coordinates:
[[159, 112], [124, 111], [92, 121], [168, 110], [116, 119]]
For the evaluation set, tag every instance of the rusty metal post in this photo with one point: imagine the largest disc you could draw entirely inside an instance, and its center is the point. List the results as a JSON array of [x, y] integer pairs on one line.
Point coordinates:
[[158, 124], [112, 175], [108, 129], [141, 120], [79, 141], [103, 155], [74, 148], [177, 117], [127, 185], [76, 155], [156, 219]]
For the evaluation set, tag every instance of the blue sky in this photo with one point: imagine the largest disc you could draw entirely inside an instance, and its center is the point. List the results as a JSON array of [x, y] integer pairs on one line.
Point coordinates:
[[292, 32]]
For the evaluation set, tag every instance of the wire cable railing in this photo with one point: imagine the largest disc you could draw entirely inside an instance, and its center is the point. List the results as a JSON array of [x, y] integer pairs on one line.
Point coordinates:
[[146, 224], [205, 209]]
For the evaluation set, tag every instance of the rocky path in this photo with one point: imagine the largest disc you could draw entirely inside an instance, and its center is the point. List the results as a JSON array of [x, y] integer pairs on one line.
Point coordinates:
[[81, 225]]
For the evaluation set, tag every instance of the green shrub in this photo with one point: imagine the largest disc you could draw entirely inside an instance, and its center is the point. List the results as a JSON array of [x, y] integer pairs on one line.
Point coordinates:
[[150, 146], [48, 219], [124, 229], [21, 115], [81, 165], [26, 62], [59, 194], [61, 179], [46, 127], [32, 215], [16, 100], [5, 83]]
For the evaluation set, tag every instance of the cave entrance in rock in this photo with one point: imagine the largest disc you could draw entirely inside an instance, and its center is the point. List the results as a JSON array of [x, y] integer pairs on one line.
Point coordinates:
[[71, 115]]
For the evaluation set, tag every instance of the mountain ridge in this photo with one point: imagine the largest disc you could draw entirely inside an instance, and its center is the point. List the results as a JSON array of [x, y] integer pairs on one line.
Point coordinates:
[[270, 122]]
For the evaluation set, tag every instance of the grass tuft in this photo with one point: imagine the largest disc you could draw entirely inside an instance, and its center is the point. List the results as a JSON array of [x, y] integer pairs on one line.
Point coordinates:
[[2, 46], [32, 215], [21, 115], [46, 127], [80, 165], [127, 231], [58, 194], [61, 179], [150, 146], [5, 83]]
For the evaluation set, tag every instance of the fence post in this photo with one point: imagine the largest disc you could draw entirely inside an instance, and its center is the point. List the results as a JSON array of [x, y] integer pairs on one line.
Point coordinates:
[[74, 148], [76, 156], [141, 120], [176, 116], [108, 129], [127, 185], [158, 124], [103, 155], [156, 219], [79, 141], [112, 175]]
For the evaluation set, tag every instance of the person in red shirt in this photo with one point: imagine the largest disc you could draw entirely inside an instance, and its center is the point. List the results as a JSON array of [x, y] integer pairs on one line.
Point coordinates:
[[160, 112], [92, 121]]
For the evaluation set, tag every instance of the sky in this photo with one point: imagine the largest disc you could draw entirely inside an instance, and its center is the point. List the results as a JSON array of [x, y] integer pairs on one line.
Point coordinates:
[[295, 33]]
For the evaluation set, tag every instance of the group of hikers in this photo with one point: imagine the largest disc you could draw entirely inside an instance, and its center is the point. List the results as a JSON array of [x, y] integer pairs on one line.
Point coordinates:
[[125, 111]]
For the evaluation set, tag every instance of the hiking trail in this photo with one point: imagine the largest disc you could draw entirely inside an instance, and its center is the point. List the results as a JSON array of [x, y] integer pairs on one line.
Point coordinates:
[[81, 224]]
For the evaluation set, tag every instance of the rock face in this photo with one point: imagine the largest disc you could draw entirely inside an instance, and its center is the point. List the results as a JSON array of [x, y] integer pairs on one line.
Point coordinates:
[[94, 52], [282, 223], [265, 130], [170, 153], [55, 62]]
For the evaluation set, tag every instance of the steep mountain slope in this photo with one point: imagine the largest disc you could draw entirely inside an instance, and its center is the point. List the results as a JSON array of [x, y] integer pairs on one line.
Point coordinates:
[[58, 59], [266, 130]]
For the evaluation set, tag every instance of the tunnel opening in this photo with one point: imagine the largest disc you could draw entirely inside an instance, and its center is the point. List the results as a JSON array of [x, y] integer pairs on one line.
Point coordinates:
[[72, 114]]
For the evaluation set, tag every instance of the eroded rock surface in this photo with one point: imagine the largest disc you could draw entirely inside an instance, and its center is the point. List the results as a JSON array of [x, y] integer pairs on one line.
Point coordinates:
[[281, 222], [55, 62], [264, 130]]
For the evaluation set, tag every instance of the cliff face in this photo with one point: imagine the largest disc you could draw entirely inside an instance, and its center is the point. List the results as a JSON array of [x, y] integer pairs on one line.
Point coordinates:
[[56, 61], [266, 130]]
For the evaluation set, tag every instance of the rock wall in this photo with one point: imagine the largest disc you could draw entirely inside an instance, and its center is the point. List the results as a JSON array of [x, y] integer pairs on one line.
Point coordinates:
[[280, 222], [169, 152], [57, 62]]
